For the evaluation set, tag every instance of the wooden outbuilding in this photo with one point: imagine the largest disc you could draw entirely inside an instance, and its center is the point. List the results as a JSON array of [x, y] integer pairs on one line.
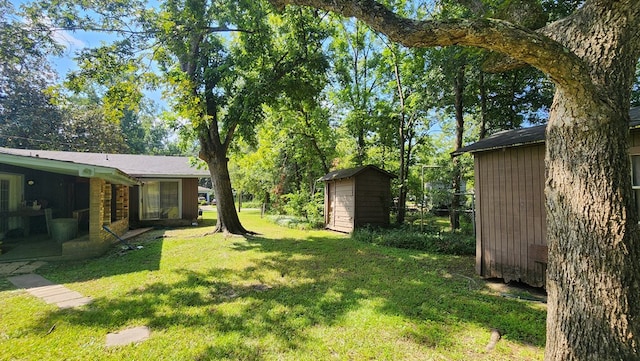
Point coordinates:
[[510, 219], [356, 197]]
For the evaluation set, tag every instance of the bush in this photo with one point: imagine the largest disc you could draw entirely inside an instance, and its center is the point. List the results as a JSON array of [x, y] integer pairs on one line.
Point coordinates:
[[250, 204], [293, 222], [437, 242], [302, 205]]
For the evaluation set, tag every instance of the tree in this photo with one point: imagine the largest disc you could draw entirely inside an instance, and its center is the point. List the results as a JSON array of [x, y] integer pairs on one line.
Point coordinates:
[[28, 115], [222, 88], [407, 108], [221, 61], [593, 277], [355, 53]]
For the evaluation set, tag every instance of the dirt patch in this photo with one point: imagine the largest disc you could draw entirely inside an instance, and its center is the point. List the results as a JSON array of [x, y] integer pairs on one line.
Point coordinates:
[[517, 290]]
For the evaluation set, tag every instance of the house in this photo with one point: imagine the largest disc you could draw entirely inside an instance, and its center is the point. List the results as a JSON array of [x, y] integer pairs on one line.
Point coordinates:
[[39, 189], [204, 195], [509, 173], [356, 197]]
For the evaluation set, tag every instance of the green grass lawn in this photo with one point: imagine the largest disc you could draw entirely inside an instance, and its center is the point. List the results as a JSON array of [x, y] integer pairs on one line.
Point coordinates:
[[282, 295]]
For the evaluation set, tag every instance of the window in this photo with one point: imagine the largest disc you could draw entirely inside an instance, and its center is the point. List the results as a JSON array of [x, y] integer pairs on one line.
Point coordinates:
[[161, 199], [635, 179], [4, 204], [11, 193]]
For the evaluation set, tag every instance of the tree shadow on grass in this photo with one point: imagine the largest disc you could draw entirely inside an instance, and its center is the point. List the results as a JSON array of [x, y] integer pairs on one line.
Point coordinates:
[[295, 285], [440, 289], [145, 256]]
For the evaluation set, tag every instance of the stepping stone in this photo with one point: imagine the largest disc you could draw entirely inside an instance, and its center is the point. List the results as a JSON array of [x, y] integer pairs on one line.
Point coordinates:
[[9, 268], [128, 336], [75, 302], [30, 280], [46, 290], [62, 297], [29, 268]]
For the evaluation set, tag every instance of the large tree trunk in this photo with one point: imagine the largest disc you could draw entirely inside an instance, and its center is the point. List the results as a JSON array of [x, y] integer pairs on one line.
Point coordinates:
[[592, 232], [593, 277], [228, 220], [594, 253], [214, 153]]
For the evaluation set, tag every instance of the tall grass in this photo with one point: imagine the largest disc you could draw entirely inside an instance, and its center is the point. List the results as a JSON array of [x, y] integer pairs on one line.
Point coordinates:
[[413, 238]]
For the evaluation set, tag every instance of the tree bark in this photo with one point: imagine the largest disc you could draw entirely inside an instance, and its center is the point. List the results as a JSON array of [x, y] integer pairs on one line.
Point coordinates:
[[456, 179], [402, 138], [483, 107], [227, 220], [214, 152], [592, 235]]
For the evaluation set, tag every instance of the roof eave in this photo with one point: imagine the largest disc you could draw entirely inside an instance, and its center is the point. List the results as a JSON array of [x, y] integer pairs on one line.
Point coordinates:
[[486, 149], [171, 175], [112, 175]]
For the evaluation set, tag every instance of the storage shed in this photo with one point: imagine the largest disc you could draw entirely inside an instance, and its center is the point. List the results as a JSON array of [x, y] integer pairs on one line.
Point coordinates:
[[509, 175], [356, 197]]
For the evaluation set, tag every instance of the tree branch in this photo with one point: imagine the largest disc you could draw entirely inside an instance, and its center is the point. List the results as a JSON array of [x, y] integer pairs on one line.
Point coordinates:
[[563, 67], [205, 30]]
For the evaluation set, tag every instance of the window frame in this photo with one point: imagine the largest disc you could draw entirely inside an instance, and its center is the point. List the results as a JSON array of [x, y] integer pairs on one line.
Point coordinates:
[[141, 196], [635, 152]]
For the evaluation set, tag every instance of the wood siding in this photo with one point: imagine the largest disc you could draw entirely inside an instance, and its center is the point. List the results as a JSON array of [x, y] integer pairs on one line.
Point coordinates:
[[359, 200], [510, 212], [510, 217], [634, 140], [189, 198], [373, 197], [134, 204], [341, 205]]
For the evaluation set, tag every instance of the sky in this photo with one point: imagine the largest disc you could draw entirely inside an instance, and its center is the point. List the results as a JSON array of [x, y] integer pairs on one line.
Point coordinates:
[[74, 42]]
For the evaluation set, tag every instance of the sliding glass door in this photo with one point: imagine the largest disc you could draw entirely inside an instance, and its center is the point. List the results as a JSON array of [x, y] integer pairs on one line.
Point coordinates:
[[11, 194], [161, 199]]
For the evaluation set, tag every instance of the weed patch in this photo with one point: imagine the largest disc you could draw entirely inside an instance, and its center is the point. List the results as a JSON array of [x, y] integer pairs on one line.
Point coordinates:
[[433, 241]]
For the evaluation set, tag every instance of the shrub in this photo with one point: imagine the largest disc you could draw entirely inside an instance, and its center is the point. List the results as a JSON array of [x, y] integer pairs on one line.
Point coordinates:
[[292, 222], [437, 242], [302, 205]]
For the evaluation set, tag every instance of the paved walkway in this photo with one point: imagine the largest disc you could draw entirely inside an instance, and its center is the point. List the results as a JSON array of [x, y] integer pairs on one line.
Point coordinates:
[[48, 291], [16, 268]]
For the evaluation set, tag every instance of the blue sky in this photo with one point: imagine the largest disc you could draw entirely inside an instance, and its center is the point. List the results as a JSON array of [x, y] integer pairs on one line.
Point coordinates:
[[76, 41]]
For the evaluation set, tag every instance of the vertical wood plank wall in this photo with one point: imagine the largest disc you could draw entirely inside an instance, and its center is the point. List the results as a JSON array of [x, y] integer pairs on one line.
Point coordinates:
[[372, 199], [342, 205], [510, 213], [189, 198], [634, 140], [329, 190]]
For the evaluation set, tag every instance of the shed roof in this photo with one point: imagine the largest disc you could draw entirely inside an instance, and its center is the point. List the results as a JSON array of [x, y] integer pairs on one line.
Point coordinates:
[[134, 165], [525, 136], [351, 172]]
